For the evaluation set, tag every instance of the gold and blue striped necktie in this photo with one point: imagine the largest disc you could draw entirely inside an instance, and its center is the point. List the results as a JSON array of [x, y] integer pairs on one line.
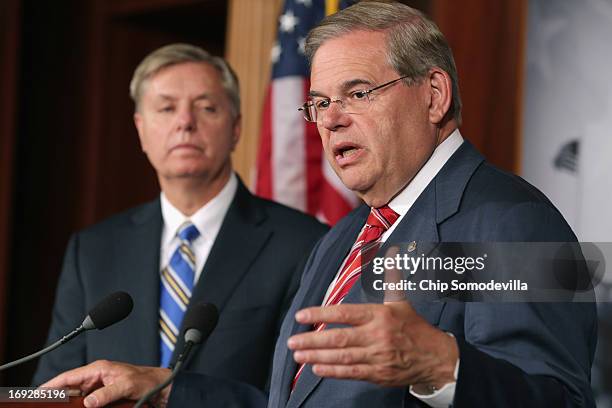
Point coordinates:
[[177, 281]]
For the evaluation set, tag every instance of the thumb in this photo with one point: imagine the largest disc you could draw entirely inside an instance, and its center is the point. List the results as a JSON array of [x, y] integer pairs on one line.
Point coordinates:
[[401, 307]]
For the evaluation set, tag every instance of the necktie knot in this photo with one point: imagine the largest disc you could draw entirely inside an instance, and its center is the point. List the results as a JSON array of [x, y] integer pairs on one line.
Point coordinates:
[[188, 232], [382, 217]]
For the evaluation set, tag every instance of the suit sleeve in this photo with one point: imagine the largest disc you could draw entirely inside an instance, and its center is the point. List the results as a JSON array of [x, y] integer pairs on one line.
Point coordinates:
[[291, 290], [287, 300], [68, 313], [527, 354]]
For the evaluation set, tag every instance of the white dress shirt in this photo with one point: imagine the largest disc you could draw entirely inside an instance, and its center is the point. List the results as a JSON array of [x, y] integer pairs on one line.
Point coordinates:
[[207, 220], [401, 204]]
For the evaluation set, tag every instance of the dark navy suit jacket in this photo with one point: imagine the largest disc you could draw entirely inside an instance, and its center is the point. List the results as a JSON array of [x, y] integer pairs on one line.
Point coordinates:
[[511, 354], [251, 275]]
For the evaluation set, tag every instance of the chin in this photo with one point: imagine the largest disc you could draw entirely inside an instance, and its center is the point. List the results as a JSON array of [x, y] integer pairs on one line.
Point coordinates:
[[355, 183], [188, 172], [372, 201]]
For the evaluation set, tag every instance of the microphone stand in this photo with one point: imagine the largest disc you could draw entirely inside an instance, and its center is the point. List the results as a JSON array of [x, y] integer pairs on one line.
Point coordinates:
[[179, 363], [47, 349]]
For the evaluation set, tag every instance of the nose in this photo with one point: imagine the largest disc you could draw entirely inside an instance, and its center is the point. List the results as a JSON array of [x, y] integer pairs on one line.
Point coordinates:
[[335, 117], [185, 121]]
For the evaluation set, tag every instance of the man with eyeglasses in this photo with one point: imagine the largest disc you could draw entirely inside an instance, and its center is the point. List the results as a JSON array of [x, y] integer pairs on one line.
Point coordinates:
[[384, 96]]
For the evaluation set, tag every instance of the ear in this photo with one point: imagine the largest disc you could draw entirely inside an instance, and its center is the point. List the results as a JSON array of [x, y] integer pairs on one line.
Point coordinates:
[[441, 89], [237, 128], [139, 122]]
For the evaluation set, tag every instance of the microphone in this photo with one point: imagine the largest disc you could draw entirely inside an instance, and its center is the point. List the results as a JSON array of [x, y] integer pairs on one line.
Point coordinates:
[[200, 321], [110, 310]]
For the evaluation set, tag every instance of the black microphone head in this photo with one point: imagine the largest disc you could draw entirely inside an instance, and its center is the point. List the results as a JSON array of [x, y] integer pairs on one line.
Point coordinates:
[[200, 321], [110, 310]]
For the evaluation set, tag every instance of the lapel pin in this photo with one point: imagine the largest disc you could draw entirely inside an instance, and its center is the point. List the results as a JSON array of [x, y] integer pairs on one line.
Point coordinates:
[[412, 246]]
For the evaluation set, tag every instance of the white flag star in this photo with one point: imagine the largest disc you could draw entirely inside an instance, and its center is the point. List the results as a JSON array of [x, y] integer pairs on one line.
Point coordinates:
[[276, 52], [302, 45], [288, 21], [306, 3]]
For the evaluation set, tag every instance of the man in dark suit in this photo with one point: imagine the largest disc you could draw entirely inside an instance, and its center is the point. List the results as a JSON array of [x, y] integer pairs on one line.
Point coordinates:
[[385, 98], [248, 251]]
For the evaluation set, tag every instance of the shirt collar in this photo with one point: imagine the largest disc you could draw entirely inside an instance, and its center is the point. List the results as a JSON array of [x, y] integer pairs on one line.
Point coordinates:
[[406, 198], [207, 219]]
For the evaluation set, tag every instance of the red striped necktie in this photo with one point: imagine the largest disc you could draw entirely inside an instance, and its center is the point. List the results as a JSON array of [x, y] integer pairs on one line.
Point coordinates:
[[362, 252]]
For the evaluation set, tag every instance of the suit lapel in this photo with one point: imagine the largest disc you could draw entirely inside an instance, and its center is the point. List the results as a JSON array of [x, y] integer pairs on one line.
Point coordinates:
[[333, 259], [317, 287], [137, 256], [240, 239], [418, 225]]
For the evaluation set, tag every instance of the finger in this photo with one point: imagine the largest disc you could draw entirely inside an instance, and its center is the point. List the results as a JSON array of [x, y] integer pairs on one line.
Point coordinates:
[[82, 377], [56, 382], [105, 395], [354, 315], [402, 309], [349, 355], [327, 339], [349, 372]]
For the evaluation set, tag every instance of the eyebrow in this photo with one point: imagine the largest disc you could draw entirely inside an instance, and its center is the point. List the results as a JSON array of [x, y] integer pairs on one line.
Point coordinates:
[[344, 87], [204, 96]]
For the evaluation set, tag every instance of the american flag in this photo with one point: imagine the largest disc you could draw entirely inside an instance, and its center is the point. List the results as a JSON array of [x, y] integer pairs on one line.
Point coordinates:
[[291, 167]]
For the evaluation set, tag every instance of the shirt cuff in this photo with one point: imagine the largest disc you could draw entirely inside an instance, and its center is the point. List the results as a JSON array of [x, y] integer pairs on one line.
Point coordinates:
[[442, 398]]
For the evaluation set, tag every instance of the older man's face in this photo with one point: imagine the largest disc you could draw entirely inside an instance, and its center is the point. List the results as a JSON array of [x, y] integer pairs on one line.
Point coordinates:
[[185, 123], [375, 153]]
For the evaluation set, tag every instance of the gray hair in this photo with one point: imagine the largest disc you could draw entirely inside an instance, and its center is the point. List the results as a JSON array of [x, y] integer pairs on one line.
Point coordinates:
[[179, 53], [414, 43]]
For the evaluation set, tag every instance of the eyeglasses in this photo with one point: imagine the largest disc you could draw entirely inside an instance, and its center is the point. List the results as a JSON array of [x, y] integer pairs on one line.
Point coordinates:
[[355, 102]]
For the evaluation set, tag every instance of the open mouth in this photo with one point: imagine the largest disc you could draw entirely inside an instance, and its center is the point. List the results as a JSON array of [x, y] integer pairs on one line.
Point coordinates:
[[348, 152], [344, 152]]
